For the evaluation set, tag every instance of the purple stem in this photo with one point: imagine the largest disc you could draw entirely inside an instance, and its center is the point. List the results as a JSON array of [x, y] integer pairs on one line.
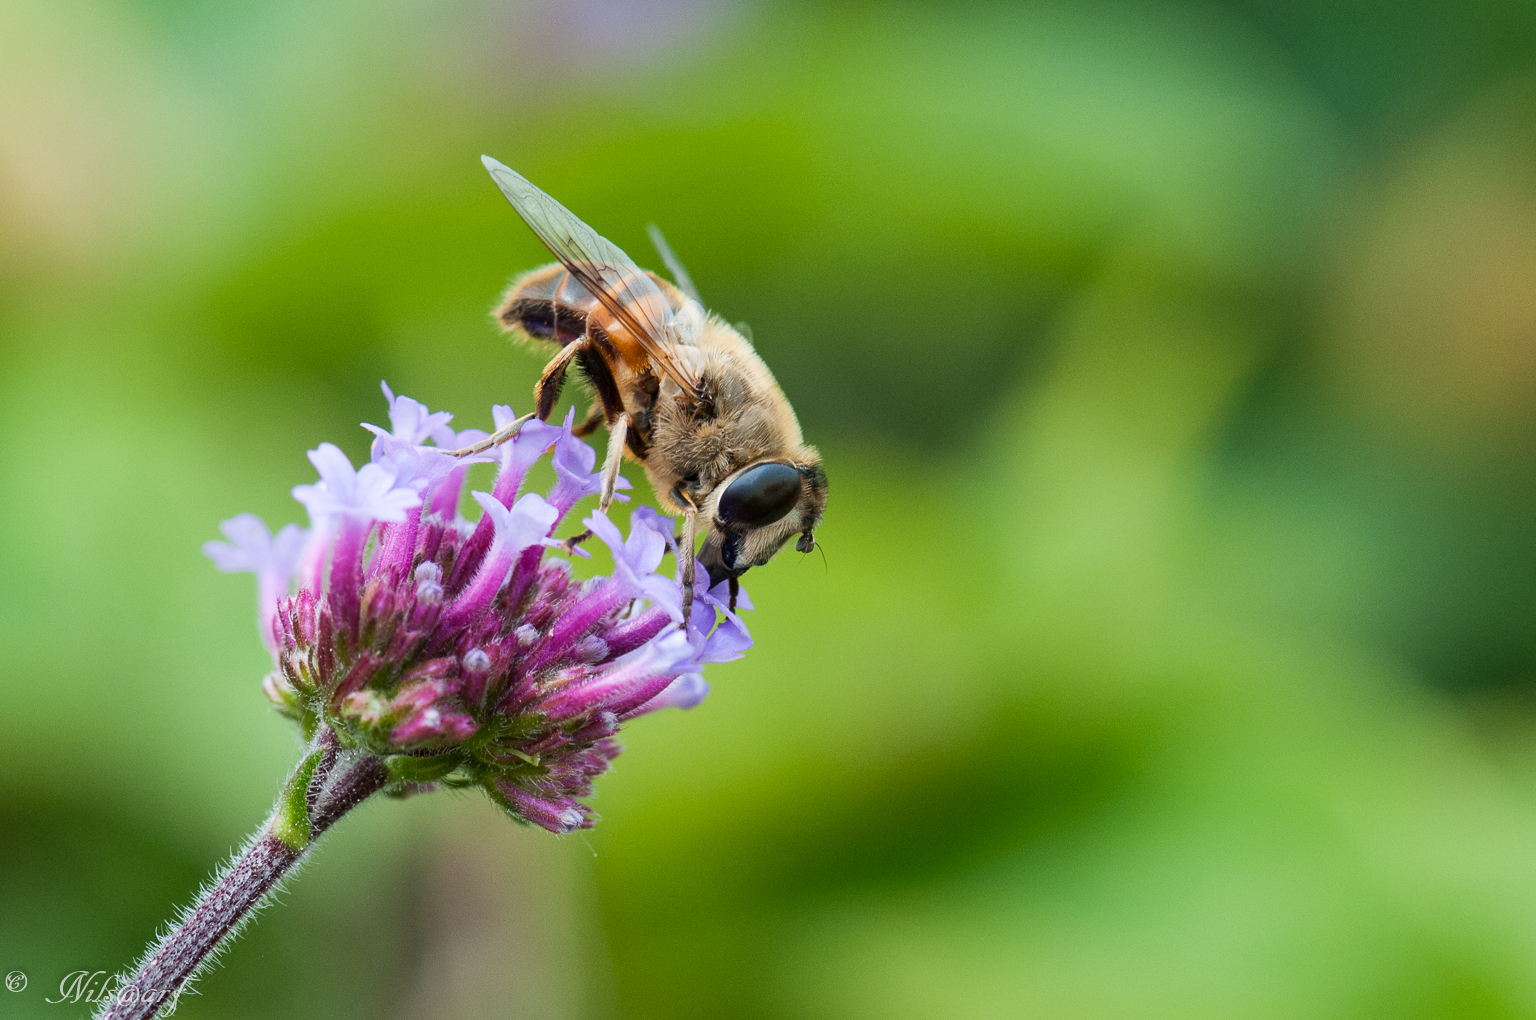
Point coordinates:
[[242, 887]]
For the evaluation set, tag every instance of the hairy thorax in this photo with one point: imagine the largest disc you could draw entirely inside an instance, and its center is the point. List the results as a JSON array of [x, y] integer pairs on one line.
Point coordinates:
[[742, 418]]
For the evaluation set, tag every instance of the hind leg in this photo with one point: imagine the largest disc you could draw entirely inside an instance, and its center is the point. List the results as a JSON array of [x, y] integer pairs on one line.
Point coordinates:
[[589, 424], [494, 439]]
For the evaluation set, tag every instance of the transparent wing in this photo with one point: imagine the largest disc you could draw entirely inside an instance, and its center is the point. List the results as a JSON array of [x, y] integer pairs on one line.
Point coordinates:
[[601, 266], [673, 263]]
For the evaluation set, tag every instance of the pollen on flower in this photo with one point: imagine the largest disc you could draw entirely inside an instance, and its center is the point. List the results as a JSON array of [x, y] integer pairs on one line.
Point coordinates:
[[453, 648]]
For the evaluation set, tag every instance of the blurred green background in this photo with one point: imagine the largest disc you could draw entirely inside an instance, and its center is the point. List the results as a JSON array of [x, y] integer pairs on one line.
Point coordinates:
[[1175, 369]]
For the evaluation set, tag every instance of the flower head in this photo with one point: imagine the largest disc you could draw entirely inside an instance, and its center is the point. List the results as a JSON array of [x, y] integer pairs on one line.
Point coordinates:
[[457, 652]]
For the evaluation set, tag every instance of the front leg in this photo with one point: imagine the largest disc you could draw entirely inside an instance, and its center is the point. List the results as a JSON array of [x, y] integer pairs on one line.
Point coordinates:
[[685, 550]]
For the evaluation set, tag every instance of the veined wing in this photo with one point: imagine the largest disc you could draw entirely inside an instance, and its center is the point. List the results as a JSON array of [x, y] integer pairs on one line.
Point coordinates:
[[601, 266], [673, 263]]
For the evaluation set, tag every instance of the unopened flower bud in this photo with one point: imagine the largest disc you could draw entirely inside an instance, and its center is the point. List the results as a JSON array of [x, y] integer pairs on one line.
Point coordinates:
[[429, 583]]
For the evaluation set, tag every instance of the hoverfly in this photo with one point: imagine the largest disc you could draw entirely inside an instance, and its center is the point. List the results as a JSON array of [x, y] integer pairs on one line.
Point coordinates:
[[681, 391]]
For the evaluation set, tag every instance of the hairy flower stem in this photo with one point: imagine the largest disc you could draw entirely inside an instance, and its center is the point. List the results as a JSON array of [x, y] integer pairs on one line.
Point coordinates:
[[325, 785]]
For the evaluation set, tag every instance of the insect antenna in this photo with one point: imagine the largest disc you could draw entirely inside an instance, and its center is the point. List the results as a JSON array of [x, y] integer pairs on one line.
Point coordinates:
[[821, 549]]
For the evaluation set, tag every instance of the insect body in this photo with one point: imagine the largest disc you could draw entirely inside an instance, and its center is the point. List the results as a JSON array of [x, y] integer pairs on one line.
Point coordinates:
[[680, 391]]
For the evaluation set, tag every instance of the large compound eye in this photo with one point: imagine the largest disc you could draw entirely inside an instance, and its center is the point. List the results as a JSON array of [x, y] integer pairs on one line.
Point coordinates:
[[759, 496]]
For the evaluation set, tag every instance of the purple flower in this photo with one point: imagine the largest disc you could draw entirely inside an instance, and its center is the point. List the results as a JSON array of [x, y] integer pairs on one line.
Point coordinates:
[[516, 529], [653, 664], [574, 478], [272, 558], [344, 506], [635, 561], [666, 527], [253, 547], [411, 422], [516, 457], [524, 524], [460, 654], [369, 494], [687, 691], [720, 595], [429, 470], [419, 468]]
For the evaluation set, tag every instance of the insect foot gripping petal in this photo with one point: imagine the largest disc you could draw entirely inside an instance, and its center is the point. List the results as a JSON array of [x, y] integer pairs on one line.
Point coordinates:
[[457, 653]]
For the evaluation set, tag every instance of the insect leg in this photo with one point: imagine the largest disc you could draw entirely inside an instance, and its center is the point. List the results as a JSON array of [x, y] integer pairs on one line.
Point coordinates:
[[494, 439], [618, 433], [547, 391], [685, 550], [589, 424]]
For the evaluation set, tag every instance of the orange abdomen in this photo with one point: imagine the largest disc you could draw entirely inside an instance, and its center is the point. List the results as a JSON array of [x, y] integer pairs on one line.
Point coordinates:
[[550, 304]]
